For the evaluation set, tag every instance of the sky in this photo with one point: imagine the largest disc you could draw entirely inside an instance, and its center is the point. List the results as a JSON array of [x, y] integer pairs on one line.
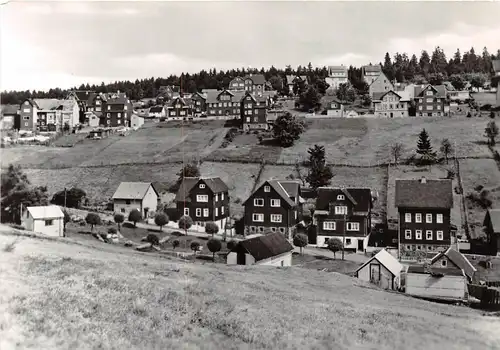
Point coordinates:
[[63, 44]]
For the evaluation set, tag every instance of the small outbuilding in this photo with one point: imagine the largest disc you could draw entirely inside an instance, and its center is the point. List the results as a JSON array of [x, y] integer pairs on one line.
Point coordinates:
[[271, 249], [48, 220], [136, 121], [135, 195], [383, 270]]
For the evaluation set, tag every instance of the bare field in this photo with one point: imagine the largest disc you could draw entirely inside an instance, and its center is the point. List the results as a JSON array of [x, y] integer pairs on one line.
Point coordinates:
[[240, 179], [140, 301], [483, 172], [483, 98]]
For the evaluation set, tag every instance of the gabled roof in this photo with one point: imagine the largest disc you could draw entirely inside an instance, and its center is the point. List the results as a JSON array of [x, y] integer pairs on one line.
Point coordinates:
[[441, 90], [257, 79], [337, 69], [387, 260], [372, 68], [281, 187], [264, 247], [82, 95], [117, 99], [9, 109], [215, 184], [46, 212], [494, 215], [380, 77], [360, 197], [448, 85], [156, 109], [496, 65], [47, 104], [458, 259], [429, 194], [378, 96], [446, 271], [132, 190]]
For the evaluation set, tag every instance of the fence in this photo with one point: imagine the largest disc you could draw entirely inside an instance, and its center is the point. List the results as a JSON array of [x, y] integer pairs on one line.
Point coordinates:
[[489, 297], [465, 219]]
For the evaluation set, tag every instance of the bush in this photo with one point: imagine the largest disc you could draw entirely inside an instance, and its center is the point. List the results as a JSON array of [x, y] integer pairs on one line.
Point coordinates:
[[112, 230], [478, 188], [195, 246], [175, 243], [214, 245], [161, 219], [135, 216], [231, 244], [153, 239]]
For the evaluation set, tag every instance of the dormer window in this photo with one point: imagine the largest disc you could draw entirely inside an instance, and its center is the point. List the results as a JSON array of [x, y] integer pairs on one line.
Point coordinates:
[[202, 186], [340, 197], [267, 188], [444, 263]]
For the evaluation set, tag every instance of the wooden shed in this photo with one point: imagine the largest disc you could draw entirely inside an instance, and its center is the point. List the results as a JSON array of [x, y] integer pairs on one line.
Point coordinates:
[[383, 270], [436, 283]]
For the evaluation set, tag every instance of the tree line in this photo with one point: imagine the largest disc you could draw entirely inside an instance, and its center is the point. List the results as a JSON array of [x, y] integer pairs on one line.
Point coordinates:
[[401, 67]]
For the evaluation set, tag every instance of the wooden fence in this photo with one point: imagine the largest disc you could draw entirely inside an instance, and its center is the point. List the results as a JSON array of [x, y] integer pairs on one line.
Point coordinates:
[[489, 297]]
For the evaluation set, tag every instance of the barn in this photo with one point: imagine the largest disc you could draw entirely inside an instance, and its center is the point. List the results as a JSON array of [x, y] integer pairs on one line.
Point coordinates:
[[382, 269]]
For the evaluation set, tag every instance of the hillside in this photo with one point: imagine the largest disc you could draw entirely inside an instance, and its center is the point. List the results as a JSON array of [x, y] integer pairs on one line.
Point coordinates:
[[60, 295]]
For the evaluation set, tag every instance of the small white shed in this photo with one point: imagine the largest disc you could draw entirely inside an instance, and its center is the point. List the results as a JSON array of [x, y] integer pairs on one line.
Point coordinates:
[[272, 249], [382, 269], [436, 283], [48, 220], [136, 121]]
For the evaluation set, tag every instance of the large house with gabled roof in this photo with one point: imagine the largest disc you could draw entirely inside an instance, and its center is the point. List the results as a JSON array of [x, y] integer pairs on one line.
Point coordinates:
[[391, 104], [343, 212], [223, 103], [204, 200], [254, 83], [291, 80], [135, 195], [336, 75], [179, 108], [430, 100], [254, 112], [274, 206]]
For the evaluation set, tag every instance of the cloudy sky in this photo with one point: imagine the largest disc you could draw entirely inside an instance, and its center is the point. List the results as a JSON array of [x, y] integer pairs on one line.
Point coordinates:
[[62, 44]]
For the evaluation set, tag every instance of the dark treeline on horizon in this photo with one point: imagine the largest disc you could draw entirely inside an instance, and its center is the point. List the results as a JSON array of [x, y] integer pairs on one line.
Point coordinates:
[[400, 67]]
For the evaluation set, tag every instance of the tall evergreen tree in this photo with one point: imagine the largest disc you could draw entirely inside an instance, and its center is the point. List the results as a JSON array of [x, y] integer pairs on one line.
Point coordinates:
[[424, 148], [319, 173]]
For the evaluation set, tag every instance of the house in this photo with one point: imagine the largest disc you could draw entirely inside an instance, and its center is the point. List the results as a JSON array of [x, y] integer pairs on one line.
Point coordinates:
[[383, 270], [237, 84], [135, 195], [291, 80], [223, 104], [495, 80], [430, 100], [487, 269], [351, 113], [370, 73], [424, 209], [28, 115], [99, 133], [82, 98], [459, 96], [254, 112], [445, 277], [391, 104], [179, 108], [93, 118], [254, 83], [9, 115], [449, 86], [48, 220], [272, 249], [96, 103], [168, 92], [336, 75], [156, 112], [380, 84], [118, 111], [53, 114], [335, 109], [136, 121], [204, 199], [274, 206], [199, 104], [343, 212], [491, 226]]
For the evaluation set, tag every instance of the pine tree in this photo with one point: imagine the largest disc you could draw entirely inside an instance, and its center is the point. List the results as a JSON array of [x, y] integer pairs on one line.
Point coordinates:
[[319, 173], [424, 148]]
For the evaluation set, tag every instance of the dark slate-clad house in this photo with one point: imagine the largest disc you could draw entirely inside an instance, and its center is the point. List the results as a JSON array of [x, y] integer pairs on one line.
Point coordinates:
[[204, 199], [491, 225], [274, 206], [430, 100], [339, 209], [424, 208]]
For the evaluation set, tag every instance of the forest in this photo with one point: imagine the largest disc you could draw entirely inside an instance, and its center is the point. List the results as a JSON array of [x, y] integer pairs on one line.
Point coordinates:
[[431, 68]]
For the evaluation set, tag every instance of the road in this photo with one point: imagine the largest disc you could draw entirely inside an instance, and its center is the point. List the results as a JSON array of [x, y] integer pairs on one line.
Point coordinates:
[[360, 258]]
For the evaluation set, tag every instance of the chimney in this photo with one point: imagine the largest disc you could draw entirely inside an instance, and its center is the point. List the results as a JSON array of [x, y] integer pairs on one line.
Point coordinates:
[[423, 180]]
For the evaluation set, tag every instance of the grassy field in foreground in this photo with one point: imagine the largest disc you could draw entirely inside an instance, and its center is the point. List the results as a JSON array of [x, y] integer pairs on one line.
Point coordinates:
[[66, 296]]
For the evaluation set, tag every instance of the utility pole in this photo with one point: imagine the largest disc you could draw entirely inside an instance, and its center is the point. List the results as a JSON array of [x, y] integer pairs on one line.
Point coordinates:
[[343, 237], [64, 197]]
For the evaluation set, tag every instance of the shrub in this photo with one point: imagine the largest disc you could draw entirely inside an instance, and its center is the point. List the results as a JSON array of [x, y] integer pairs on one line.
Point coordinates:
[[153, 239], [231, 244], [175, 243], [161, 220], [195, 246], [112, 230], [135, 216], [478, 188], [211, 228], [185, 223], [335, 244], [214, 245], [300, 240], [93, 219]]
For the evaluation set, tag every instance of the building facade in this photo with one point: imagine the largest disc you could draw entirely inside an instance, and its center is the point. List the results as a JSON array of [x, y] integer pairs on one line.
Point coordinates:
[[118, 110], [179, 109], [254, 83], [430, 100], [237, 84], [370, 73], [391, 104], [135, 195], [48, 220], [28, 115], [224, 104], [335, 109], [254, 112], [336, 75], [380, 84]]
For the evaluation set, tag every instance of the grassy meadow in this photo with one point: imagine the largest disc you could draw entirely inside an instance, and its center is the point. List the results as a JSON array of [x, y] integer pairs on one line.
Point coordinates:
[[67, 296]]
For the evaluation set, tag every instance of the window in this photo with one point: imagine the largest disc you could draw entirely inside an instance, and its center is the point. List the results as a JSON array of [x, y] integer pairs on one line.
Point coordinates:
[[418, 218], [26, 110], [258, 217], [340, 197], [353, 226], [347, 241], [439, 218], [122, 210], [275, 203], [222, 210], [220, 104], [407, 234], [428, 235], [182, 113], [125, 107], [444, 263], [202, 186], [258, 202], [109, 108], [216, 211], [329, 225], [119, 115], [267, 189], [108, 115], [202, 198], [25, 124], [127, 201], [428, 218], [198, 211], [26, 118], [248, 119], [439, 235], [430, 100], [186, 211], [418, 234], [275, 217], [118, 121], [172, 113], [429, 108], [408, 217], [49, 222], [222, 196], [429, 93], [205, 212], [340, 210]]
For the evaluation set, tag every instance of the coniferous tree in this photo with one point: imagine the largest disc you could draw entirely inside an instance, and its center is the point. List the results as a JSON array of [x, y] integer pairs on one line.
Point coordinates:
[[424, 148]]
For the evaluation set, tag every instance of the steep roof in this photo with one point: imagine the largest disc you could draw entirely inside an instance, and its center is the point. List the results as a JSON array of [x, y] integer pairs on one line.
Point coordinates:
[[420, 269], [117, 99], [496, 65], [264, 247], [360, 197], [46, 212], [372, 68], [156, 109], [441, 89], [337, 69], [428, 194], [458, 259], [494, 215], [282, 187], [290, 79], [82, 95], [258, 79], [47, 104], [9, 109], [215, 184], [132, 190], [386, 259]]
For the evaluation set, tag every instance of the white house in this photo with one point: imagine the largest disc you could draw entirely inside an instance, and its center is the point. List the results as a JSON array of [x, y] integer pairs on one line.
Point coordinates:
[[136, 121], [93, 118], [336, 75], [135, 195], [157, 112], [272, 249], [48, 220], [382, 269]]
